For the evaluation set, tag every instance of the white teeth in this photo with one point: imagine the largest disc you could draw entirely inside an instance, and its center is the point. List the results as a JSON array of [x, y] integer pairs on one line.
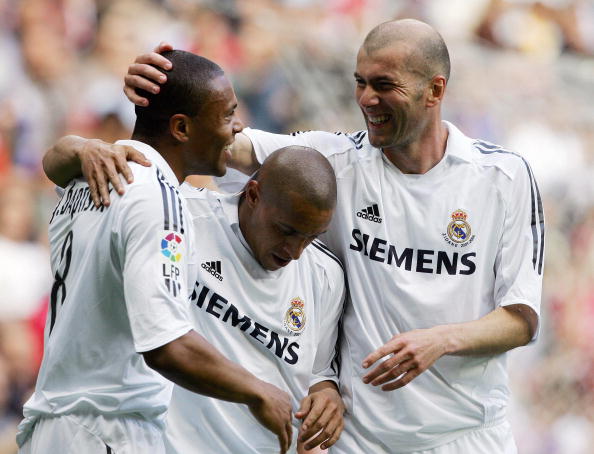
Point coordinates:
[[378, 120]]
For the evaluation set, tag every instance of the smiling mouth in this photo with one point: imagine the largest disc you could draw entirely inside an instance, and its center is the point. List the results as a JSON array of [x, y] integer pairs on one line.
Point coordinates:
[[378, 120]]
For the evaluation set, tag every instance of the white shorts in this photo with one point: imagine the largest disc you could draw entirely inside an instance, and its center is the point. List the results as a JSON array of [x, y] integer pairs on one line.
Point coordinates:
[[491, 440], [91, 434]]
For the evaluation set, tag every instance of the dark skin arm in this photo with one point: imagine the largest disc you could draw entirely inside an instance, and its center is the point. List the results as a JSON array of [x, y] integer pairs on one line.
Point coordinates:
[[191, 362], [99, 162]]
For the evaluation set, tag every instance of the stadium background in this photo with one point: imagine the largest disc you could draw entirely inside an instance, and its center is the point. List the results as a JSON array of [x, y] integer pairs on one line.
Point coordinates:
[[523, 77]]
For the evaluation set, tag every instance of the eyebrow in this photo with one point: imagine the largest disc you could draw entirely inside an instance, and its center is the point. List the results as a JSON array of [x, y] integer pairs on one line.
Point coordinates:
[[375, 79], [288, 227]]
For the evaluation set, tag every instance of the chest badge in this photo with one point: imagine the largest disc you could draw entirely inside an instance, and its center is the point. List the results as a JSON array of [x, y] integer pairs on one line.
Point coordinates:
[[295, 318], [459, 231]]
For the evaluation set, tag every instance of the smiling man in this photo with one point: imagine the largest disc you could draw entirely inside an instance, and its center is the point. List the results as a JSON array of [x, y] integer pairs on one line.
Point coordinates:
[[442, 238], [118, 322]]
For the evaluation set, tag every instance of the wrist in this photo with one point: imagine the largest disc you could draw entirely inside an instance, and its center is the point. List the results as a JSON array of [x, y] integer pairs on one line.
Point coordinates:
[[449, 336]]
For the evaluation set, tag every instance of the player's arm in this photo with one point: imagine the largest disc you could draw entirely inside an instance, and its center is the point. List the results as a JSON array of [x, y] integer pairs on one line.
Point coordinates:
[[99, 162], [191, 362], [152, 242], [413, 352], [518, 283], [323, 409]]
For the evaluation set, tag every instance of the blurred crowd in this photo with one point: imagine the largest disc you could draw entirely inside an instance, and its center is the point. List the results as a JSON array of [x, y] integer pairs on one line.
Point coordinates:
[[523, 77]]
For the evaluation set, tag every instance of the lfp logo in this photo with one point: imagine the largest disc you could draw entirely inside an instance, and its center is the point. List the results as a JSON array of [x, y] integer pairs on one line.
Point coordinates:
[[169, 247]]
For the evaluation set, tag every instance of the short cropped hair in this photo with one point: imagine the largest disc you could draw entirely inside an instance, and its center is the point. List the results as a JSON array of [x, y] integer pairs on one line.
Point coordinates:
[[185, 92]]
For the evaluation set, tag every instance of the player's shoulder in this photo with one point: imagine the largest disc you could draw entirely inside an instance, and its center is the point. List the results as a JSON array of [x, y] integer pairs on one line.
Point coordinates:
[[488, 154], [325, 263], [331, 144]]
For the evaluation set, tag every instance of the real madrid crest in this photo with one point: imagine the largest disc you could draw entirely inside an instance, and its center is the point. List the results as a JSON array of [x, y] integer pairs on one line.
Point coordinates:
[[459, 231], [295, 318]]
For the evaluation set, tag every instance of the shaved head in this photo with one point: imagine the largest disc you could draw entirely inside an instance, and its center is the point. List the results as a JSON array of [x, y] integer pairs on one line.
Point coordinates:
[[428, 54], [287, 205], [298, 171]]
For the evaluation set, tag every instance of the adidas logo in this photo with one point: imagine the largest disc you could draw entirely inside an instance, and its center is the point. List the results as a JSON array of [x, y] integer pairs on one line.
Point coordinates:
[[371, 213], [213, 268]]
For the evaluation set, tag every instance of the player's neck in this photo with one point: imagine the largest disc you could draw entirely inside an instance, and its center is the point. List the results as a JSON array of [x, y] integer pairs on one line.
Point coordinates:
[[243, 216], [170, 153], [422, 155]]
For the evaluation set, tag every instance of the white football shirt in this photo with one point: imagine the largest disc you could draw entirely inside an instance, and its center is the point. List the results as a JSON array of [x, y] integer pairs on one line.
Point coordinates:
[[448, 246], [280, 325], [120, 289]]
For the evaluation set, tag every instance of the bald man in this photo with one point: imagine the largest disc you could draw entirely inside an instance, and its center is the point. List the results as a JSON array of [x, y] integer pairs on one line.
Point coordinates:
[[442, 238], [268, 295]]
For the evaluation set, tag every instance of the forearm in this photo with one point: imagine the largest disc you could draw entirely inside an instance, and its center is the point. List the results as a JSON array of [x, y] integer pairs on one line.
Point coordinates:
[[320, 386], [61, 162], [243, 155], [497, 332], [194, 364]]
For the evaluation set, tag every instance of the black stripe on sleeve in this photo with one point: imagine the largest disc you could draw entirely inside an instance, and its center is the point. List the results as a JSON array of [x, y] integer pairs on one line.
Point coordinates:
[[537, 217], [164, 197], [181, 214], [174, 208], [321, 247]]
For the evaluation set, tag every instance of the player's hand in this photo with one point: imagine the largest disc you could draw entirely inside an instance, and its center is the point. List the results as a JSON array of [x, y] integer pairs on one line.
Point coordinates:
[[322, 414], [273, 410], [412, 353], [102, 163], [142, 75]]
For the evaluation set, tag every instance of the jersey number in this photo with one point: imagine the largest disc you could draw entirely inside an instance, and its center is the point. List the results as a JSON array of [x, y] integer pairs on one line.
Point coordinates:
[[59, 287]]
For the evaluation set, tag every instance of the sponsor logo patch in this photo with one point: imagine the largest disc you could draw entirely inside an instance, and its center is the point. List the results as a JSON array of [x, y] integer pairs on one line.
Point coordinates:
[[170, 246], [371, 213], [213, 267]]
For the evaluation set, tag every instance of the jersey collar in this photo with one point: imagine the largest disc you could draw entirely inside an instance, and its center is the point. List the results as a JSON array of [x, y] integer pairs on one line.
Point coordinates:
[[154, 156], [458, 145]]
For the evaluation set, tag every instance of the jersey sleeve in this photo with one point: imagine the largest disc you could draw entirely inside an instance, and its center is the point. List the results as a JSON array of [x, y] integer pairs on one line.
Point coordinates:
[[330, 308], [154, 252], [331, 145], [519, 261]]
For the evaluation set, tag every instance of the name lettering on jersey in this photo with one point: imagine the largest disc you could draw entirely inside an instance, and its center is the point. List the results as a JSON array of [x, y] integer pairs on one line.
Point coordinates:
[[170, 251], [458, 232], [416, 260], [220, 307], [371, 213], [76, 201], [214, 268], [295, 317]]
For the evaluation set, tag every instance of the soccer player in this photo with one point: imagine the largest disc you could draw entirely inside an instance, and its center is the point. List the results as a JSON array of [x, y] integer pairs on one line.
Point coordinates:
[[442, 238], [118, 322], [264, 299]]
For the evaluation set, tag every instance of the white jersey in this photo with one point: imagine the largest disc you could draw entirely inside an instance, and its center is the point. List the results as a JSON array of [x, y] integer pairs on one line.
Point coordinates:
[[120, 289], [448, 246], [280, 325]]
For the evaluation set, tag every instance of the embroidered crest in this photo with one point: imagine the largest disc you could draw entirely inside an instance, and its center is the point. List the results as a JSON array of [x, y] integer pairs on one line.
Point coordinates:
[[295, 318], [459, 232]]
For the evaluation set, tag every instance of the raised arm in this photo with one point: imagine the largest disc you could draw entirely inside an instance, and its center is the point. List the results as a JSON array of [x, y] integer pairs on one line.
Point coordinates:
[[99, 162], [191, 362]]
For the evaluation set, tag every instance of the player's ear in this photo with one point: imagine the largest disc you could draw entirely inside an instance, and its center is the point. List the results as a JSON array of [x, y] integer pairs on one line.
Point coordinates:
[[179, 127], [252, 193], [437, 87]]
